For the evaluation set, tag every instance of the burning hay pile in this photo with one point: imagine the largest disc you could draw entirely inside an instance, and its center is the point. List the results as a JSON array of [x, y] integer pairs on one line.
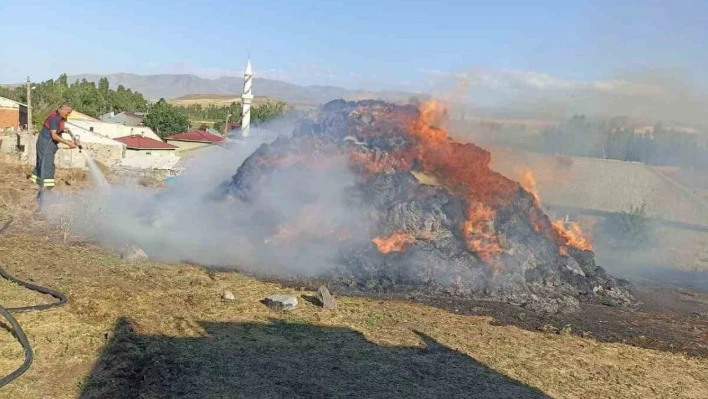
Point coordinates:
[[427, 216]]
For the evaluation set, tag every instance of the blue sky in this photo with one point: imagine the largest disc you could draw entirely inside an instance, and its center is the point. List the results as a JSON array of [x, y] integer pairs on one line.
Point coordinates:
[[407, 45]]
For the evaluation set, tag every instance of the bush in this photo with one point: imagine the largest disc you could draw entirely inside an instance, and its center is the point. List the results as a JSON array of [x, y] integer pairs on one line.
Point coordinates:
[[631, 228]]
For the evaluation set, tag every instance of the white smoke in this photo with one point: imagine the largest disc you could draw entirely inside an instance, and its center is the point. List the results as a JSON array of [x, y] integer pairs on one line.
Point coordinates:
[[190, 221]]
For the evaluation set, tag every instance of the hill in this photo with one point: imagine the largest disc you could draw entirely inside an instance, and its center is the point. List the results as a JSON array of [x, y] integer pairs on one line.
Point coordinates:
[[173, 86]]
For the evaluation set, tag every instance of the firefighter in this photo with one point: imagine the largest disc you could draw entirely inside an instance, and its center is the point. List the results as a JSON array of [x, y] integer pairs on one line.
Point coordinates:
[[47, 146]]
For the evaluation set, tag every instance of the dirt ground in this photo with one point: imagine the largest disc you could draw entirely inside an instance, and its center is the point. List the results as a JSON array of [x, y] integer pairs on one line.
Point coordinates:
[[154, 330]]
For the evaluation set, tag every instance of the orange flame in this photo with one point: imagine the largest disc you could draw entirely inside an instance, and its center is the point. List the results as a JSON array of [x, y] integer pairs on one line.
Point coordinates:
[[462, 168], [479, 233], [396, 242], [572, 236], [528, 182]]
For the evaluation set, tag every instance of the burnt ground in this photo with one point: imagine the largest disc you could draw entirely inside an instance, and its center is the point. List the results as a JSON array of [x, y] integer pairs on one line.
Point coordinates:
[[670, 318]]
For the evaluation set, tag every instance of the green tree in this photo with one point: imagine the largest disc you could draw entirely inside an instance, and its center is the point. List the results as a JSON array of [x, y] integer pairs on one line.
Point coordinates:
[[165, 119], [103, 85], [84, 96]]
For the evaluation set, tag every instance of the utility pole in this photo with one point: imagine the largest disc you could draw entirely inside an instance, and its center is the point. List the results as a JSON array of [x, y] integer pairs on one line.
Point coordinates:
[[226, 124], [29, 105]]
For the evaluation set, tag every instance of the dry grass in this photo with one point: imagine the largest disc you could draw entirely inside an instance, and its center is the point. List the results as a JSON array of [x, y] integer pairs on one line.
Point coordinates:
[[180, 321], [218, 100]]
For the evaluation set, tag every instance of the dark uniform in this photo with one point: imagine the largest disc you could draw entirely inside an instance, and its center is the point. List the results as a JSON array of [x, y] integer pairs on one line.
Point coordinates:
[[46, 150]]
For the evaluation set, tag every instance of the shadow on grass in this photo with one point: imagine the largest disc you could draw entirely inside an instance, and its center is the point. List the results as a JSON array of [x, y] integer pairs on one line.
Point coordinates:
[[312, 300], [288, 360]]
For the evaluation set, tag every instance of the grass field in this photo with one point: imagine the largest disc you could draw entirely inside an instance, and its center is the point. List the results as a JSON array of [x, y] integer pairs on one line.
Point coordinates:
[[154, 330], [219, 100]]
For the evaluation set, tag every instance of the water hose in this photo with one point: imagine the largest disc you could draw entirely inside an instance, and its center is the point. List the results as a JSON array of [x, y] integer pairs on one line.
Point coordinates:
[[15, 326]]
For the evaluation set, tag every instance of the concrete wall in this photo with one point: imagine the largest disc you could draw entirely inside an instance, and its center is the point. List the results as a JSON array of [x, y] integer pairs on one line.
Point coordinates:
[[66, 159], [8, 143], [108, 155], [157, 153], [187, 145]]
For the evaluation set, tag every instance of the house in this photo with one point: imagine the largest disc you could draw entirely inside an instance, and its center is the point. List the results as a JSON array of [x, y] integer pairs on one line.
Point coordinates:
[[114, 130], [140, 145], [194, 139], [124, 118], [13, 115]]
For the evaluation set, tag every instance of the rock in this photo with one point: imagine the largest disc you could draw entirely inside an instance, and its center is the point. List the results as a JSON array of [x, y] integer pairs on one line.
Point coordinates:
[[228, 296], [281, 302], [133, 254], [326, 299]]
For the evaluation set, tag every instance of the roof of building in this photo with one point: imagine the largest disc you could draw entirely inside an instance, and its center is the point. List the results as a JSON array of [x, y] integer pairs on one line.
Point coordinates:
[[196, 135], [137, 142], [125, 118], [76, 115], [7, 101]]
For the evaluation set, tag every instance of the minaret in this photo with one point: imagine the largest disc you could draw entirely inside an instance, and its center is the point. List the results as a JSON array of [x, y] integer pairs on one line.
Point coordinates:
[[247, 96]]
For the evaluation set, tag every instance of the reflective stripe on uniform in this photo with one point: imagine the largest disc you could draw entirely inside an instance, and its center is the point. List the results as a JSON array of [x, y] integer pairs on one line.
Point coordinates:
[[44, 182]]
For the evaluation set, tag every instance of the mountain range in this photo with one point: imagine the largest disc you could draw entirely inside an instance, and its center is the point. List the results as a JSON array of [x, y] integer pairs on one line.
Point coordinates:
[[168, 87]]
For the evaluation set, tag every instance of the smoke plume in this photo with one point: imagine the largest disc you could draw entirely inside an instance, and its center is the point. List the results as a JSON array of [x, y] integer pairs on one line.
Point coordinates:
[[182, 222]]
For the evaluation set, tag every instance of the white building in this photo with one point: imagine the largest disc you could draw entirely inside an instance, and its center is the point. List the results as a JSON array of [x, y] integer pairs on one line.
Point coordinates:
[[114, 130]]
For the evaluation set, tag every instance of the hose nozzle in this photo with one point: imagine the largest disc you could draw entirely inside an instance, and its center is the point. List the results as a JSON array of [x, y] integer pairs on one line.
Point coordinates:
[[77, 141]]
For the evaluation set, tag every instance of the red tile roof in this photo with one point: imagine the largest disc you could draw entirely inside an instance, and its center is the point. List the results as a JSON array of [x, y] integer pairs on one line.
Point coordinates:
[[196, 135], [144, 143]]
